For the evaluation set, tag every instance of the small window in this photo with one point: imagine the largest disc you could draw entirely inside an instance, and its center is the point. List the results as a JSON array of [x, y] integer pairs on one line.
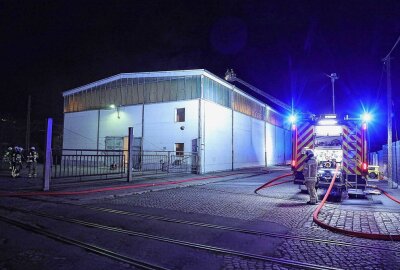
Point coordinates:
[[180, 115], [179, 149]]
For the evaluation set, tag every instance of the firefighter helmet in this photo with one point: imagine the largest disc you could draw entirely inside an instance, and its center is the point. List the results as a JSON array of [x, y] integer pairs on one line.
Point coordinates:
[[310, 153]]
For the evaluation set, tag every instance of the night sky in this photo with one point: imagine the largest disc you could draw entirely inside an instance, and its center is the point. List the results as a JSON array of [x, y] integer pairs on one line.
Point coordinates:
[[284, 48]]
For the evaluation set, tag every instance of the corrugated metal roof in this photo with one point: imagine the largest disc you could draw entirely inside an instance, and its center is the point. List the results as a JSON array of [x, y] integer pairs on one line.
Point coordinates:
[[173, 73]]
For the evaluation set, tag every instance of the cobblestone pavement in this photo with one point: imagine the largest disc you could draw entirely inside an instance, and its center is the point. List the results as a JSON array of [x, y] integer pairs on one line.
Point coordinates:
[[285, 207], [231, 201]]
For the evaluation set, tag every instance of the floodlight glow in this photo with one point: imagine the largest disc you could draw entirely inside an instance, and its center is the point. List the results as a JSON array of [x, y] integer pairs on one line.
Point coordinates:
[[366, 117], [112, 106], [328, 130], [292, 119], [326, 122]]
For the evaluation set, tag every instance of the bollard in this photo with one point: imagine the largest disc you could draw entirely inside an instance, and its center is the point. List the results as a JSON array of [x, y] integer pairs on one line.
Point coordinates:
[[48, 159], [130, 154]]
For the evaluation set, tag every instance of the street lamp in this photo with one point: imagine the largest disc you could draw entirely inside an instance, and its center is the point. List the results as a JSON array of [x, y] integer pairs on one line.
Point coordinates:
[[113, 107], [333, 77]]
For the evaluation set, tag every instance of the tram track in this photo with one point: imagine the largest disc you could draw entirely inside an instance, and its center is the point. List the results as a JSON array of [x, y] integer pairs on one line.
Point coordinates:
[[135, 262], [89, 247], [26, 193], [221, 227]]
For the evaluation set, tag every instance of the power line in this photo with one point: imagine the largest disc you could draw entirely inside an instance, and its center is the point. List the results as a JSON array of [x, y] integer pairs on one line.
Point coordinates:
[[394, 46]]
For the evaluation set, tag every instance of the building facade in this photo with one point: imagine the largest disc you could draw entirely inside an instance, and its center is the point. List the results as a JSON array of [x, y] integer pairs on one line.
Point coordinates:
[[182, 111]]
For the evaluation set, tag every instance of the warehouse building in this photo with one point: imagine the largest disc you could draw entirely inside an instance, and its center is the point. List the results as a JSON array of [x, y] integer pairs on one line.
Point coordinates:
[[181, 111]]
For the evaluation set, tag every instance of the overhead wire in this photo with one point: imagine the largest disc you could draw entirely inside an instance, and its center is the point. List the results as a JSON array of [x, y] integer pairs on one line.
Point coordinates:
[[394, 46]]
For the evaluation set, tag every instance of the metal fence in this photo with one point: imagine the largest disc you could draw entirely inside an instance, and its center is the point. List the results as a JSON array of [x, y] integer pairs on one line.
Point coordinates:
[[113, 163], [381, 158], [82, 162], [165, 162]]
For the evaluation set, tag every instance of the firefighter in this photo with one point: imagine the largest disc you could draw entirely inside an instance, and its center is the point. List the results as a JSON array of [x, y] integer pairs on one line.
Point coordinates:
[[310, 176], [16, 161], [7, 157], [31, 161]]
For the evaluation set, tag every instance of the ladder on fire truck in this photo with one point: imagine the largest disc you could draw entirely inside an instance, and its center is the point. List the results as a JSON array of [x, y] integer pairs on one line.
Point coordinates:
[[230, 76]]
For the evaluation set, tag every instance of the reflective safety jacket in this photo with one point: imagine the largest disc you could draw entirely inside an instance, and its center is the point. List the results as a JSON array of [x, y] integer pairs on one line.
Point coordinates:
[[16, 158], [310, 170], [32, 156]]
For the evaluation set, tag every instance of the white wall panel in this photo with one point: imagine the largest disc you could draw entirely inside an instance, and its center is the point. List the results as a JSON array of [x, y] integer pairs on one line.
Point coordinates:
[[111, 125], [270, 144], [161, 131], [280, 146], [249, 145], [217, 132], [80, 130], [288, 146]]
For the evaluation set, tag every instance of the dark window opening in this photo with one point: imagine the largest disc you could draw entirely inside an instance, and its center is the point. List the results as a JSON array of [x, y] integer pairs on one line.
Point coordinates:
[[179, 149], [180, 115]]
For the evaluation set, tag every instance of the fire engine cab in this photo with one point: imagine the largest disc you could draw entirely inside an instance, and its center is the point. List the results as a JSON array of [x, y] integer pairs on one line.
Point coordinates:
[[337, 144]]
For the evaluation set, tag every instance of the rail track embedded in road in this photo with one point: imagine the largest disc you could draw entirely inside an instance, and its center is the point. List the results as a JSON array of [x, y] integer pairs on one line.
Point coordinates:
[[218, 227], [287, 262]]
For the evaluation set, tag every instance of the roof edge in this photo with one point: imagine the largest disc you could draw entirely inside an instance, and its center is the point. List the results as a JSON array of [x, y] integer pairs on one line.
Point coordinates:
[[150, 74]]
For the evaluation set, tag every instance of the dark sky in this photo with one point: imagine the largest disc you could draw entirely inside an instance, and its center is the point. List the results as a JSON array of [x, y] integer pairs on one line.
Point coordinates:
[[282, 47]]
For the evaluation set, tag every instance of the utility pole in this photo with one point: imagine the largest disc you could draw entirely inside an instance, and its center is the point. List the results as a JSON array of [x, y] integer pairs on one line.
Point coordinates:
[[28, 124], [389, 120], [386, 60], [333, 77]]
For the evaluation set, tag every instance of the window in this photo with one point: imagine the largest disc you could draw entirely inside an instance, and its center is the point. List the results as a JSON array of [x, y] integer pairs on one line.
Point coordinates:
[[179, 149], [180, 115]]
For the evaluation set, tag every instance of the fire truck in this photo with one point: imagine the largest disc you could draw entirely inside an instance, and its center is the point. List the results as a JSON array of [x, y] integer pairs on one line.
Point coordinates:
[[336, 143]]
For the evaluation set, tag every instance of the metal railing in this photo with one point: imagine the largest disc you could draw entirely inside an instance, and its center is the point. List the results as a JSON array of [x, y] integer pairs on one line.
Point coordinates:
[[165, 162], [83, 162], [380, 158], [113, 163]]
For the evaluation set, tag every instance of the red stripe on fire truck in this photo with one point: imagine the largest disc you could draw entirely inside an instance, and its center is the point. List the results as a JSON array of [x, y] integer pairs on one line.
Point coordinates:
[[305, 139]]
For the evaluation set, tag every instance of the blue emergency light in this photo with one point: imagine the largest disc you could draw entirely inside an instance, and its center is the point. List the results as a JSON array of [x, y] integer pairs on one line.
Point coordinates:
[[293, 118], [366, 117]]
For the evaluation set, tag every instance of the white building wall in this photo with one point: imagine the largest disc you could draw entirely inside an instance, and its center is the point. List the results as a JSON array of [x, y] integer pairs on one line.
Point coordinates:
[[217, 137], [280, 145], [80, 130], [270, 144], [288, 146], [111, 125], [249, 143], [161, 131]]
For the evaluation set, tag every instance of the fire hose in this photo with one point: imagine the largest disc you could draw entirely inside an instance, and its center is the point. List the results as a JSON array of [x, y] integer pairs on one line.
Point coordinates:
[[374, 236], [270, 183], [105, 189]]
